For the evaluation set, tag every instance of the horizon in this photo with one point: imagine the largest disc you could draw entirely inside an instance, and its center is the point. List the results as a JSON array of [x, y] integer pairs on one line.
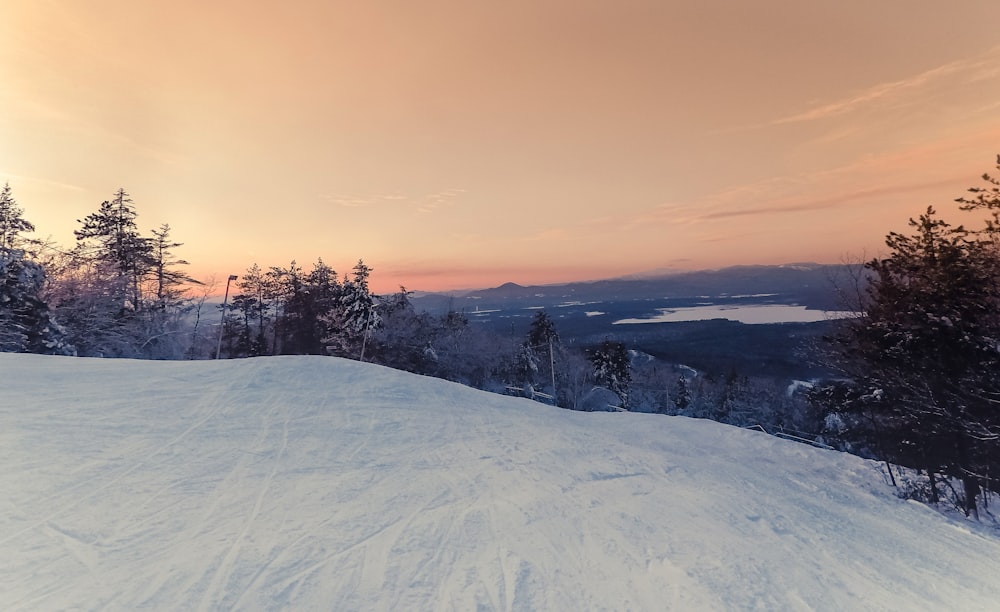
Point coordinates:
[[462, 145], [633, 276]]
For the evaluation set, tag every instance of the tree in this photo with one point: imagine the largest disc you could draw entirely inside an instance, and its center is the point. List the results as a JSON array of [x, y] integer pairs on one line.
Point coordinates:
[[542, 330], [682, 395], [985, 198], [357, 316], [120, 251], [404, 340], [169, 282], [254, 300], [165, 303], [922, 360], [538, 349], [288, 291], [612, 368], [12, 221], [26, 324]]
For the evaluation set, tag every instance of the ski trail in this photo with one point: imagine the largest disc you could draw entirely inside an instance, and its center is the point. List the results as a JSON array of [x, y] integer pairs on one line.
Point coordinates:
[[216, 588], [68, 506]]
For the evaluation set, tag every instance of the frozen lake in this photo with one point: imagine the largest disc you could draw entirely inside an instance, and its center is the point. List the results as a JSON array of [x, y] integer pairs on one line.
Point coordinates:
[[744, 313]]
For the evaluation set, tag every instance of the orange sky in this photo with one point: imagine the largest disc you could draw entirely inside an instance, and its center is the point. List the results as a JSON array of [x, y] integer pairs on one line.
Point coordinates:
[[458, 143]]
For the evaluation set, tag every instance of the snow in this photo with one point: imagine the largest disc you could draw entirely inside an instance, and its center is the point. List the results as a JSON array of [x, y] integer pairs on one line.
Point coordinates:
[[319, 483], [746, 313]]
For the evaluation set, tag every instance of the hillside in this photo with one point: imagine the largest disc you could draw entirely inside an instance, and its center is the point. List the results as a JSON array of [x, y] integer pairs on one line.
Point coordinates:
[[318, 483]]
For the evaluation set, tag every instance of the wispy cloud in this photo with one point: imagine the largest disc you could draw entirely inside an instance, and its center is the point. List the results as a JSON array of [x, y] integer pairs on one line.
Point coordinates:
[[795, 205], [423, 204], [353, 201], [9, 177], [439, 200], [970, 70]]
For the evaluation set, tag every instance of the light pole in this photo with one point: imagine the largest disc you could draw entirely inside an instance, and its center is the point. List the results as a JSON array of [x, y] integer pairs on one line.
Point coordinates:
[[222, 323]]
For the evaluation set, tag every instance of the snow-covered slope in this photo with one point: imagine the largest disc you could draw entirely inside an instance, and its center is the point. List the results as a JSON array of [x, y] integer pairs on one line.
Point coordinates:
[[316, 483]]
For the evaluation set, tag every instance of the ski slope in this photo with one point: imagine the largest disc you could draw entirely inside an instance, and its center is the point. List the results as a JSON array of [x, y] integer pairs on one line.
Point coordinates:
[[313, 483]]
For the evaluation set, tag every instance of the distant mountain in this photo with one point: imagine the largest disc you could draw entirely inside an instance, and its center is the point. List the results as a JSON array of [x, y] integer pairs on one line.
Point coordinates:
[[587, 312], [807, 284]]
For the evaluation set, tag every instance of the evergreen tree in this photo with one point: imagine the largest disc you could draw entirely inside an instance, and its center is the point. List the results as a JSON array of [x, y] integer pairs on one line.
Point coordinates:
[[404, 340], [682, 395], [537, 356], [254, 301], [542, 330], [922, 360], [357, 316], [612, 369], [291, 324], [26, 324], [168, 282], [120, 252], [12, 221], [985, 198], [165, 303]]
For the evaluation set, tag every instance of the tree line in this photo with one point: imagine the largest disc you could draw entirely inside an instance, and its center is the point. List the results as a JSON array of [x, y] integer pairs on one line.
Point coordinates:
[[120, 293]]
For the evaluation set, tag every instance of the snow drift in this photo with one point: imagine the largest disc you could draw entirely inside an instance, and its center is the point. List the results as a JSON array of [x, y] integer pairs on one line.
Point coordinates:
[[318, 483]]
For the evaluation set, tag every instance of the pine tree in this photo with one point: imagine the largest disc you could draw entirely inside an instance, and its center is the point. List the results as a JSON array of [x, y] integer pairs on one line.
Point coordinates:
[[120, 253], [255, 300], [288, 284], [985, 198], [357, 316], [612, 368], [542, 330], [682, 395], [26, 323], [536, 360], [12, 222], [168, 281], [922, 360], [403, 341]]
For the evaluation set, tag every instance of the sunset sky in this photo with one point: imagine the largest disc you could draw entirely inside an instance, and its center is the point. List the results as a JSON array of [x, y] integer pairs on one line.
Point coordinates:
[[467, 143]]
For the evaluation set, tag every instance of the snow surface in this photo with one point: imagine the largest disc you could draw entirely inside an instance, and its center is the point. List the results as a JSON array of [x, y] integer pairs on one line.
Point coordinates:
[[317, 483]]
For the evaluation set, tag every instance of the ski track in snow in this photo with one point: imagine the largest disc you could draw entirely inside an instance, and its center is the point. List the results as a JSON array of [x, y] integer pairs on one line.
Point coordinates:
[[318, 483]]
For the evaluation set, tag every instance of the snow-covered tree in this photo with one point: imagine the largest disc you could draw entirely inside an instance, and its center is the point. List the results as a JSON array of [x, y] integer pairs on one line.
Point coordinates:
[[111, 237], [26, 324], [612, 368], [682, 395], [12, 222], [405, 339], [357, 316], [168, 282], [254, 301], [922, 361]]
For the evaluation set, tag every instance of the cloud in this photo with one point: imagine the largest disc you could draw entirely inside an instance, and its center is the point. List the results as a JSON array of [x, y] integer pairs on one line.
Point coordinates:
[[6, 177], [435, 201], [422, 204], [809, 205], [979, 68]]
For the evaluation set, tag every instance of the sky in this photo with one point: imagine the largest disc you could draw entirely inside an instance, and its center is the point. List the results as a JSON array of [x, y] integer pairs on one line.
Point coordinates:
[[463, 144]]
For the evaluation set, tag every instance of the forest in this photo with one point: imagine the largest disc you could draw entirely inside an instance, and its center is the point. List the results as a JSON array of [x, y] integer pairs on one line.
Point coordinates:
[[916, 384]]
